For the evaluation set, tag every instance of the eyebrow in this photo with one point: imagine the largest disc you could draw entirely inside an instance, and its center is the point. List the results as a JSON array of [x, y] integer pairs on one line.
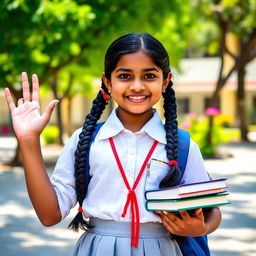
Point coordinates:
[[130, 70]]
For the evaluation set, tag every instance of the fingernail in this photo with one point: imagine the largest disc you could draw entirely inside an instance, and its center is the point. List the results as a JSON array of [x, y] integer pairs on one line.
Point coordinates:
[[165, 212]]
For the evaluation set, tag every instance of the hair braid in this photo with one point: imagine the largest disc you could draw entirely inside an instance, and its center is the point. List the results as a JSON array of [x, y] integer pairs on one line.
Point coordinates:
[[81, 155], [171, 127]]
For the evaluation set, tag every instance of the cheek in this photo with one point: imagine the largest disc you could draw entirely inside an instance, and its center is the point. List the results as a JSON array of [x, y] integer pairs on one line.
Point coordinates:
[[157, 92]]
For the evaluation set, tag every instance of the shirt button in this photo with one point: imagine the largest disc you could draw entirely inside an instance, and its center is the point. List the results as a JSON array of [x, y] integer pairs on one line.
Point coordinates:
[[132, 151]]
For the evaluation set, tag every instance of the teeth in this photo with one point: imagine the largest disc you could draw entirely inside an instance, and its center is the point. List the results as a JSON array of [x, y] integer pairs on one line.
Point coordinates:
[[137, 97]]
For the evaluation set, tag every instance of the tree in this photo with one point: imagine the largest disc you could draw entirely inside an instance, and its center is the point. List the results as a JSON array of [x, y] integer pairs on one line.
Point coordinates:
[[238, 18], [46, 36]]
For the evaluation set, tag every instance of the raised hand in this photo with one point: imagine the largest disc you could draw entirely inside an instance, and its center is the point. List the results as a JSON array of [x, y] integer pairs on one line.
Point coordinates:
[[26, 117]]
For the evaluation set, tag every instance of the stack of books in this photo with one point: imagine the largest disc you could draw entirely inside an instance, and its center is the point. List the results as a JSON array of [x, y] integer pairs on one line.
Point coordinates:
[[204, 194]]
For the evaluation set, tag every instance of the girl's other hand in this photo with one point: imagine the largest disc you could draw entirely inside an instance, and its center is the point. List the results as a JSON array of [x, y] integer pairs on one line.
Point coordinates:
[[26, 117], [185, 225]]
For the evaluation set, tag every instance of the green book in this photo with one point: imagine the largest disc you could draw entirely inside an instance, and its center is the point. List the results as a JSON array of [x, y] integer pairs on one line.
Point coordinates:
[[187, 203], [202, 188]]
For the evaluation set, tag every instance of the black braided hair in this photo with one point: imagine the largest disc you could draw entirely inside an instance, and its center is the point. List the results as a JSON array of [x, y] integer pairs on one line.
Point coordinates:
[[81, 152], [171, 128], [129, 43]]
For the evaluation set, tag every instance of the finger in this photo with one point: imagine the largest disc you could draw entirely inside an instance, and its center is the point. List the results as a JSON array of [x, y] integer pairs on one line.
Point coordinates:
[[35, 84], [8, 97], [49, 109], [170, 218], [199, 213], [25, 87], [170, 215], [169, 224], [20, 101], [185, 215]]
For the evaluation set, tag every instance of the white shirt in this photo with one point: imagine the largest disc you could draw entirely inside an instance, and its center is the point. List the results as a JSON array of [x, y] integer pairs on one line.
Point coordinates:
[[107, 193]]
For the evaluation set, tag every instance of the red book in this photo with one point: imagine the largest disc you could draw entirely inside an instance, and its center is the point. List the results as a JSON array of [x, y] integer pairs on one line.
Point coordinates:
[[210, 187]]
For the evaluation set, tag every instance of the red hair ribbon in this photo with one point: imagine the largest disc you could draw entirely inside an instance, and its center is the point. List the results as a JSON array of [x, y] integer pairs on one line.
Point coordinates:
[[106, 96], [173, 162], [80, 209]]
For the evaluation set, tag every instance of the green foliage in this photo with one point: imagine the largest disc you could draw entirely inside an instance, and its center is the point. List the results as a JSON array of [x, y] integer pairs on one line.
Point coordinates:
[[50, 134], [231, 134], [178, 30], [45, 36], [240, 16]]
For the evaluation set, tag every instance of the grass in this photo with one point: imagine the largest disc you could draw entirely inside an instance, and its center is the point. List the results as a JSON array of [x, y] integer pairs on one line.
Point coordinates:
[[233, 134]]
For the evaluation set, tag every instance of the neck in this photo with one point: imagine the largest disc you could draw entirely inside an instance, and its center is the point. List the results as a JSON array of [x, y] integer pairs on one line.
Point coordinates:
[[134, 122]]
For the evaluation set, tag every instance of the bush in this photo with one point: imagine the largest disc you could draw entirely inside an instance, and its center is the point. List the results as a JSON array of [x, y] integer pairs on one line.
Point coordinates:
[[198, 126], [50, 134]]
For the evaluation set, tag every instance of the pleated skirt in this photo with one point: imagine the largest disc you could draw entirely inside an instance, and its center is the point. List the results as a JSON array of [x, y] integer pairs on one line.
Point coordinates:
[[113, 238]]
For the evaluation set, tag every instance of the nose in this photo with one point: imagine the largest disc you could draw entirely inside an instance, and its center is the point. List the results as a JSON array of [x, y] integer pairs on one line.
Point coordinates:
[[137, 85]]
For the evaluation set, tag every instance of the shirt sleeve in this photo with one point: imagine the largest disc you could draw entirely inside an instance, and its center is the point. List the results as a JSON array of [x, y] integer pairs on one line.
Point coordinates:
[[63, 179], [195, 170]]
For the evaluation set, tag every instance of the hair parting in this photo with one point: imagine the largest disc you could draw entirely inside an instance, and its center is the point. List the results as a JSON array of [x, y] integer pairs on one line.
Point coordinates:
[[126, 44]]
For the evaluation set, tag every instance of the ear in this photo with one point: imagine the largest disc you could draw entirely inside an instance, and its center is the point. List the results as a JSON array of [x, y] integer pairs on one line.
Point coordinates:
[[106, 81], [166, 81]]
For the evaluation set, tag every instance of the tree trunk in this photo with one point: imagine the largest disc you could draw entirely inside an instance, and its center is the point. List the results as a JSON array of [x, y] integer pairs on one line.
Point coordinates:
[[210, 130], [70, 126], [17, 160], [241, 103], [54, 86], [59, 123]]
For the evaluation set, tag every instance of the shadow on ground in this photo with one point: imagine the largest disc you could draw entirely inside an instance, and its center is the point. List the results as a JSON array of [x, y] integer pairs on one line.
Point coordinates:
[[237, 234], [20, 231], [22, 234]]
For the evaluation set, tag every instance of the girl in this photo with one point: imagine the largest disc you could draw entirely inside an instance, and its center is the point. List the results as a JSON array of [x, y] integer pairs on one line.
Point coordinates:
[[136, 74]]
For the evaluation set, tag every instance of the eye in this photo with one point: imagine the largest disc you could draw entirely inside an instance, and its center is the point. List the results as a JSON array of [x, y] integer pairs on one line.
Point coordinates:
[[124, 76], [150, 76]]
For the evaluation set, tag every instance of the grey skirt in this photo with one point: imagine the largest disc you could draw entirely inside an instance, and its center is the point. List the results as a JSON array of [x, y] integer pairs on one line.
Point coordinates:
[[113, 238]]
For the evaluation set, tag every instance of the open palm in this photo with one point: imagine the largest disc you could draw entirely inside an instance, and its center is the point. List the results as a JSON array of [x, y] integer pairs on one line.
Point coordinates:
[[26, 117]]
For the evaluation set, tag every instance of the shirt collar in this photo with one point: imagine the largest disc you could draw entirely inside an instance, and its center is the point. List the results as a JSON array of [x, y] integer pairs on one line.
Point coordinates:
[[111, 127], [153, 128]]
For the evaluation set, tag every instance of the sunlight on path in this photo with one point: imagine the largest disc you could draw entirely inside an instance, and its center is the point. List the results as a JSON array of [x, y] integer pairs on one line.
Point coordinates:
[[22, 234]]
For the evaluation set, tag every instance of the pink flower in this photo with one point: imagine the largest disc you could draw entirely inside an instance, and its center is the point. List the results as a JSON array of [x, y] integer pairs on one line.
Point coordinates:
[[185, 125], [192, 115], [212, 111]]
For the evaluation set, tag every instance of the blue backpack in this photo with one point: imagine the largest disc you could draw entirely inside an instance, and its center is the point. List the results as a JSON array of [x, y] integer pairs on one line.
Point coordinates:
[[190, 246]]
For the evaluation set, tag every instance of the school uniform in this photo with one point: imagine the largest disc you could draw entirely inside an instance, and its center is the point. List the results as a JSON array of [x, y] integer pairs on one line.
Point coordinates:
[[107, 193]]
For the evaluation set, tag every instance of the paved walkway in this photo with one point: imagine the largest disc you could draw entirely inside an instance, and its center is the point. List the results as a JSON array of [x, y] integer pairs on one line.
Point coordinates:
[[22, 234]]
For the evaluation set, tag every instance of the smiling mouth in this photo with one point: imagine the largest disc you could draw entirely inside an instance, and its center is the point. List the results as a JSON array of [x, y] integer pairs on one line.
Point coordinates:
[[136, 99]]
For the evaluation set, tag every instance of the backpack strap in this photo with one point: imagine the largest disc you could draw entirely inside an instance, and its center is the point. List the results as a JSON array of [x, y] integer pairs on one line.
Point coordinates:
[[197, 246], [184, 144]]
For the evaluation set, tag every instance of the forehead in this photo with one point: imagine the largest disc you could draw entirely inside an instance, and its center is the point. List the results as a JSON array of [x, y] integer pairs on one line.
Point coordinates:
[[136, 61]]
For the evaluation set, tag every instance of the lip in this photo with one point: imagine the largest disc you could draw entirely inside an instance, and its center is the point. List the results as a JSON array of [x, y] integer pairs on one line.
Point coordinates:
[[136, 98]]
